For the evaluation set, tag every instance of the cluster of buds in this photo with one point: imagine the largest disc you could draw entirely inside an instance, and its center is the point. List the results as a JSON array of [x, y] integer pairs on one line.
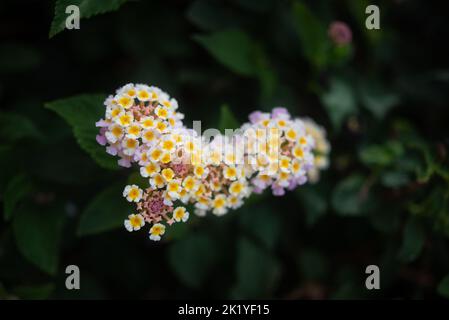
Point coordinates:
[[213, 174]]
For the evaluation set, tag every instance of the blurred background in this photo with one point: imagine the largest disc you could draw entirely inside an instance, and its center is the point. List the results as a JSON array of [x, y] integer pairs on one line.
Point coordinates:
[[382, 96]]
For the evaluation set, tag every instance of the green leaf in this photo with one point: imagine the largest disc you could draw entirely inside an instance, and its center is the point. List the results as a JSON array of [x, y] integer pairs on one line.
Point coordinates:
[[106, 211], [257, 271], [443, 287], [265, 73], [192, 259], [82, 112], [377, 99], [347, 198], [312, 34], [412, 241], [88, 8], [38, 232], [376, 155], [210, 15], [339, 101], [381, 155], [14, 127], [38, 292], [16, 190], [233, 48], [227, 119], [262, 223], [394, 179]]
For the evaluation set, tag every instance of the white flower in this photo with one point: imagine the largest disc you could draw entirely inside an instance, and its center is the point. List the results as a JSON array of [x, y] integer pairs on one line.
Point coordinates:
[[127, 90], [297, 168], [298, 152], [155, 154], [200, 212], [134, 222], [155, 93], [162, 112], [236, 188], [165, 157], [168, 200], [156, 231], [157, 181], [143, 93], [124, 119], [168, 174], [133, 131], [284, 164], [149, 136], [283, 179], [168, 144], [114, 133], [174, 188], [203, 203], [234, 202], [132, 193], [147, 123], [129, 146], [219, 205], [190, 184], [180, 214], [230, 173], [291, 134], [200, 171], [161, 126], [149, 170], [113, 111], [125, 101]]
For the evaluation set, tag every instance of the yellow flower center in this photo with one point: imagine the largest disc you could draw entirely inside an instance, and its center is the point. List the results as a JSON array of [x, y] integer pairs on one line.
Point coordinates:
[[168, 174], [143, 95], [131, 144], [133, 193], [135, 221], [155, 155], [125, 102], [219, 203], [291, 134], [168, 145], [117, 131], [149, 135]]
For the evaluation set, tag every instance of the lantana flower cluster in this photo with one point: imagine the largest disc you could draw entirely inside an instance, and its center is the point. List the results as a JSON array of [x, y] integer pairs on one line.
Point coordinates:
[[185, 169], [137, 117], [284, 151]]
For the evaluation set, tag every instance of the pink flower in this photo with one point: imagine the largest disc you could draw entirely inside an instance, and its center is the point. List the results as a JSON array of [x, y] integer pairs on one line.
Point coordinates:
[[292, 185], [277, 190], [279, 111], [111, 150], [101, 123], [301, 180], [257, 190], [101, 139], [340, 33], [124, 162], [255, 116]]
